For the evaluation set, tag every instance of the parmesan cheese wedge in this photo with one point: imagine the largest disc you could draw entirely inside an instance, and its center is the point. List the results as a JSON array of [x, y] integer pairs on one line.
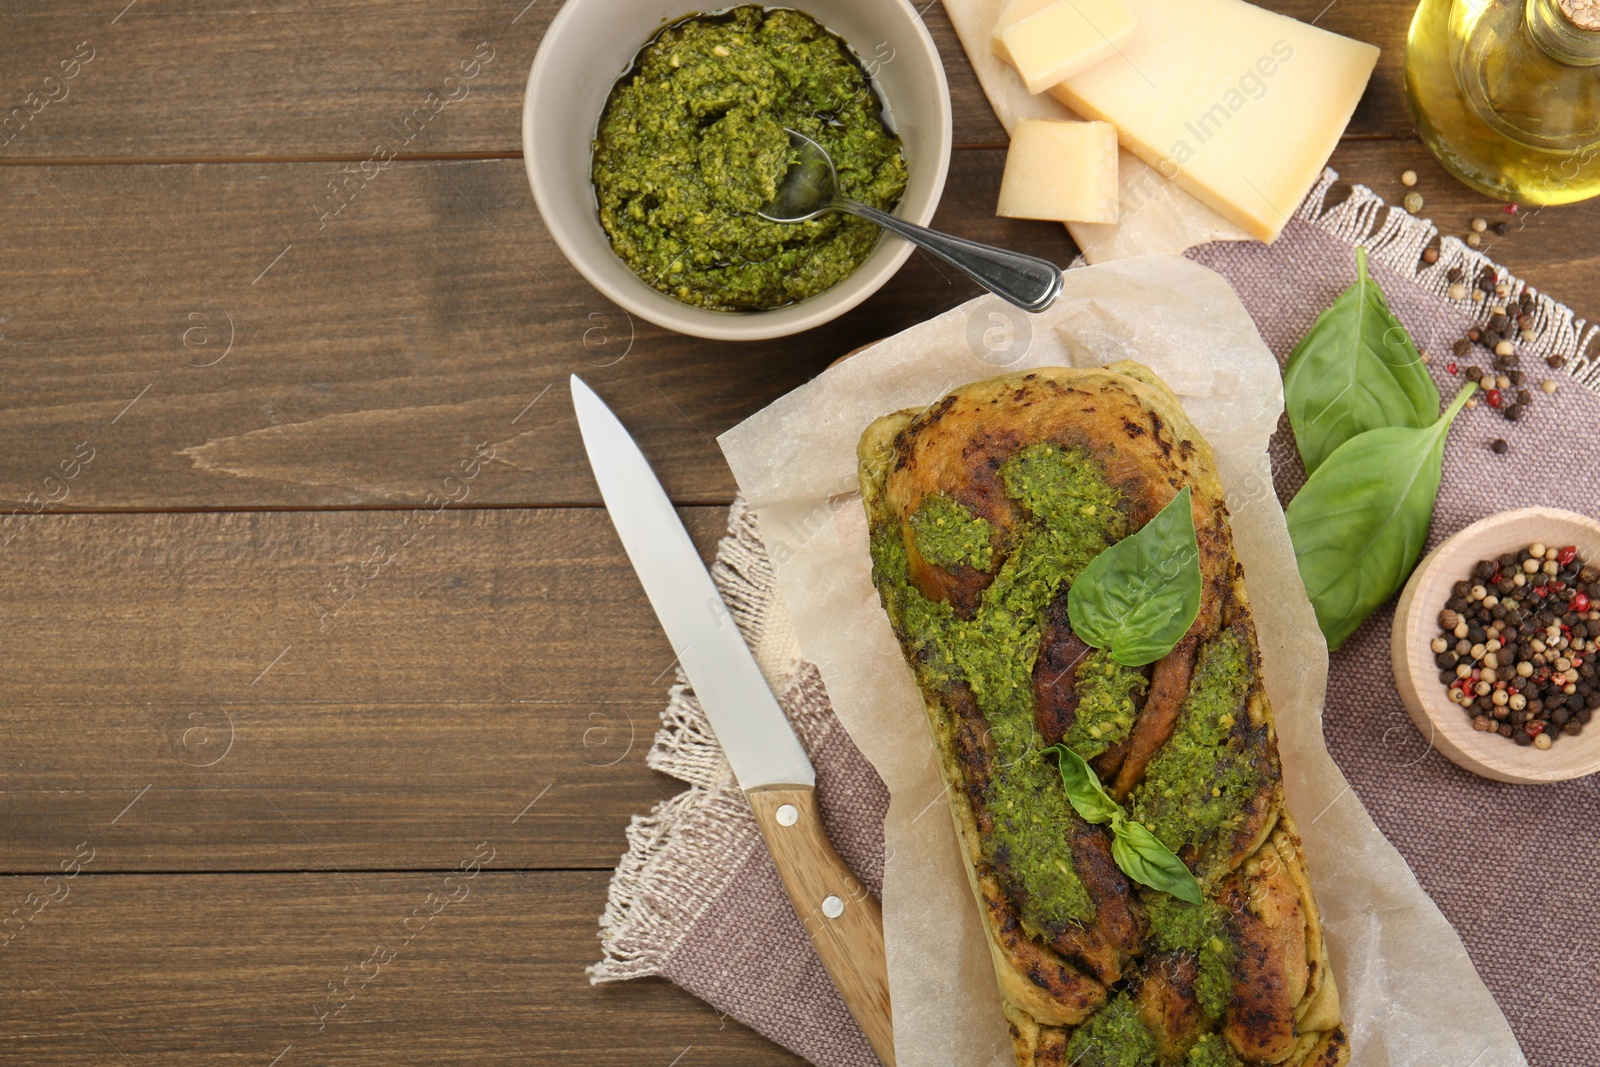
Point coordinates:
[[1054, 41], [1238, 105], [1064, 171]]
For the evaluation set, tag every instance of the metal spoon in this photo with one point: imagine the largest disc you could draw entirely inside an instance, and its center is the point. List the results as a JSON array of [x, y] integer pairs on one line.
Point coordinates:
[[811, 187]]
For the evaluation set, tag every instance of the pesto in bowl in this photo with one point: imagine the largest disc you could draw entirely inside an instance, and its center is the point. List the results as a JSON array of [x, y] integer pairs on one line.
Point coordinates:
[[691, 143]]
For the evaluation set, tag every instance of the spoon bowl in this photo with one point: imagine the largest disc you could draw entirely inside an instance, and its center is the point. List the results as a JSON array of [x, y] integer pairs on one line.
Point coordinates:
[[809, 187]]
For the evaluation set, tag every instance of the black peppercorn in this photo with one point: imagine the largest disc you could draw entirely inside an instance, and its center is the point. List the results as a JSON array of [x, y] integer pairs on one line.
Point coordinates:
[[1513, 414], [1499, 446]]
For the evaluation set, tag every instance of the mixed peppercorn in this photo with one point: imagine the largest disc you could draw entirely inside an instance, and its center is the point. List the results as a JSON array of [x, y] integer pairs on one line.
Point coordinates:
[[1517, 644], [1504, 383]]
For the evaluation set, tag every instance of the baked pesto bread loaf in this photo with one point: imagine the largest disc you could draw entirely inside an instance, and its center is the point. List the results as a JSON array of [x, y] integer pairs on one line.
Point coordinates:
[[983, 509]]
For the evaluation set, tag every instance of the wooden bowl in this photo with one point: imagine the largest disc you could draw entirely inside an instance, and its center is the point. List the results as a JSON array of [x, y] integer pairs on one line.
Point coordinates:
[[1416, 624]]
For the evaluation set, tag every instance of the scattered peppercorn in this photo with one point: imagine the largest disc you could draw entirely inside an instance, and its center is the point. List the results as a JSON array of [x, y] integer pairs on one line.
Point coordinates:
[[1430, 255], [1556, 362], [1457, 291], [1474, 240], [1502, 228], [1520, 660], [1499, 446], [1479, 225], [1413, 202], [1408, 178], [1548, 385], [1454, 274]]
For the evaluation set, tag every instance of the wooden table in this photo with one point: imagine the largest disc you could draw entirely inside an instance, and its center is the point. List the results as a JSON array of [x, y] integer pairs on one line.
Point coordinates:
[[307, 604]]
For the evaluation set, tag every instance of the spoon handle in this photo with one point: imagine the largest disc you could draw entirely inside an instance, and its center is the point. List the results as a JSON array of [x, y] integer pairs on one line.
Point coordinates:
[[1028, 282]]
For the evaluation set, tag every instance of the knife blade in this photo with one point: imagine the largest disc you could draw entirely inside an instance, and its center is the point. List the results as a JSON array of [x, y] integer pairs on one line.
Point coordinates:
[[840, 916]]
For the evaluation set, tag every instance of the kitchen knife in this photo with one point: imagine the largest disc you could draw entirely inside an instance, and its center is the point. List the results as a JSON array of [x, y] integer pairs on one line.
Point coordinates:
[[841, 917]]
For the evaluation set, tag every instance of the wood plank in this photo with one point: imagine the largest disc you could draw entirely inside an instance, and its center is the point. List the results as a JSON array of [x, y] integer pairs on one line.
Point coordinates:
[[172, 691], [295, 79], [368, 355], [168, 83], [168, 969]]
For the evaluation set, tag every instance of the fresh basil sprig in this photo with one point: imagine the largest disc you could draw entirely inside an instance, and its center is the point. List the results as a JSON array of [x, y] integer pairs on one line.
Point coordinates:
[[1140, 596], [1359, 523], [1138, 852], [1357, 370]]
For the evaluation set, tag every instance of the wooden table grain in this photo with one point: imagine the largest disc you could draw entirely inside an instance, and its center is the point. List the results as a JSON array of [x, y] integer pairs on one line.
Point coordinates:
[[310, 619]]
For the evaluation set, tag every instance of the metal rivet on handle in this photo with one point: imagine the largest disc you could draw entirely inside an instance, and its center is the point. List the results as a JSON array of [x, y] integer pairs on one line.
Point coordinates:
[[788, 815], [832, 907]]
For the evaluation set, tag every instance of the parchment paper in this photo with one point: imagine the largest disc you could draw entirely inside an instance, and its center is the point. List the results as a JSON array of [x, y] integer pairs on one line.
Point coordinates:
[[1411, 997]]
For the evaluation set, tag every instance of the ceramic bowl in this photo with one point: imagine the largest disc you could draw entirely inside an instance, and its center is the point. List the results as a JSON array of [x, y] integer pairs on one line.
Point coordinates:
[[591, 43], [1416, 624]]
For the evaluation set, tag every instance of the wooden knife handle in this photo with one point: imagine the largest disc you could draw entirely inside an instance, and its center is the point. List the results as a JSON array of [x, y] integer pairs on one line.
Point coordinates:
[[841, 916]]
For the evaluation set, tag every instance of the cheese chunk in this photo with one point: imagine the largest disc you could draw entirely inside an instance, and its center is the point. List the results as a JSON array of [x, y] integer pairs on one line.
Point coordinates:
[[1065, 171], [1066, 37], [1013, 13], [1240, 106]]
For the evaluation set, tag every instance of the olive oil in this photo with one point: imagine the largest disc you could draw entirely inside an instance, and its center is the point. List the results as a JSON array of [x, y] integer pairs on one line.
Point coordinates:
[[1507, 95]]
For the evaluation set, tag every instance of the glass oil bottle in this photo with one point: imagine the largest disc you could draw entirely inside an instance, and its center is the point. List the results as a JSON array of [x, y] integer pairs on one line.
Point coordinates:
[[1506, 93]]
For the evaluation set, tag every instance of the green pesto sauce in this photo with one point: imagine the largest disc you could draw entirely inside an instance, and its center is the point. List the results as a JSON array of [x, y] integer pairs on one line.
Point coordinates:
[[949, 535], [1176, 925], [1107, 692], [1212, 1051], [1114, 1036], [1196, 787], [1077, 517], [692, 142]]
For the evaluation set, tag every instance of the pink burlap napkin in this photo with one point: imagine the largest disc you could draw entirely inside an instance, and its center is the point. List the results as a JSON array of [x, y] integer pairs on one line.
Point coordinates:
[[697, 900]]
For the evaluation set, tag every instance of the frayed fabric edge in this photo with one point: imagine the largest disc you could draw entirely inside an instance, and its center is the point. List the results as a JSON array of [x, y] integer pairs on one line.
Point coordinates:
[[1397, 239]]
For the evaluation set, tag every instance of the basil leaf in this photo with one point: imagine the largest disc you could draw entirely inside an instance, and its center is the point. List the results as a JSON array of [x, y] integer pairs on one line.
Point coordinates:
[[1138, 853], [1143, 858], [1140, 596], [1359, 523], [1089, 798], [1357, 370]]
